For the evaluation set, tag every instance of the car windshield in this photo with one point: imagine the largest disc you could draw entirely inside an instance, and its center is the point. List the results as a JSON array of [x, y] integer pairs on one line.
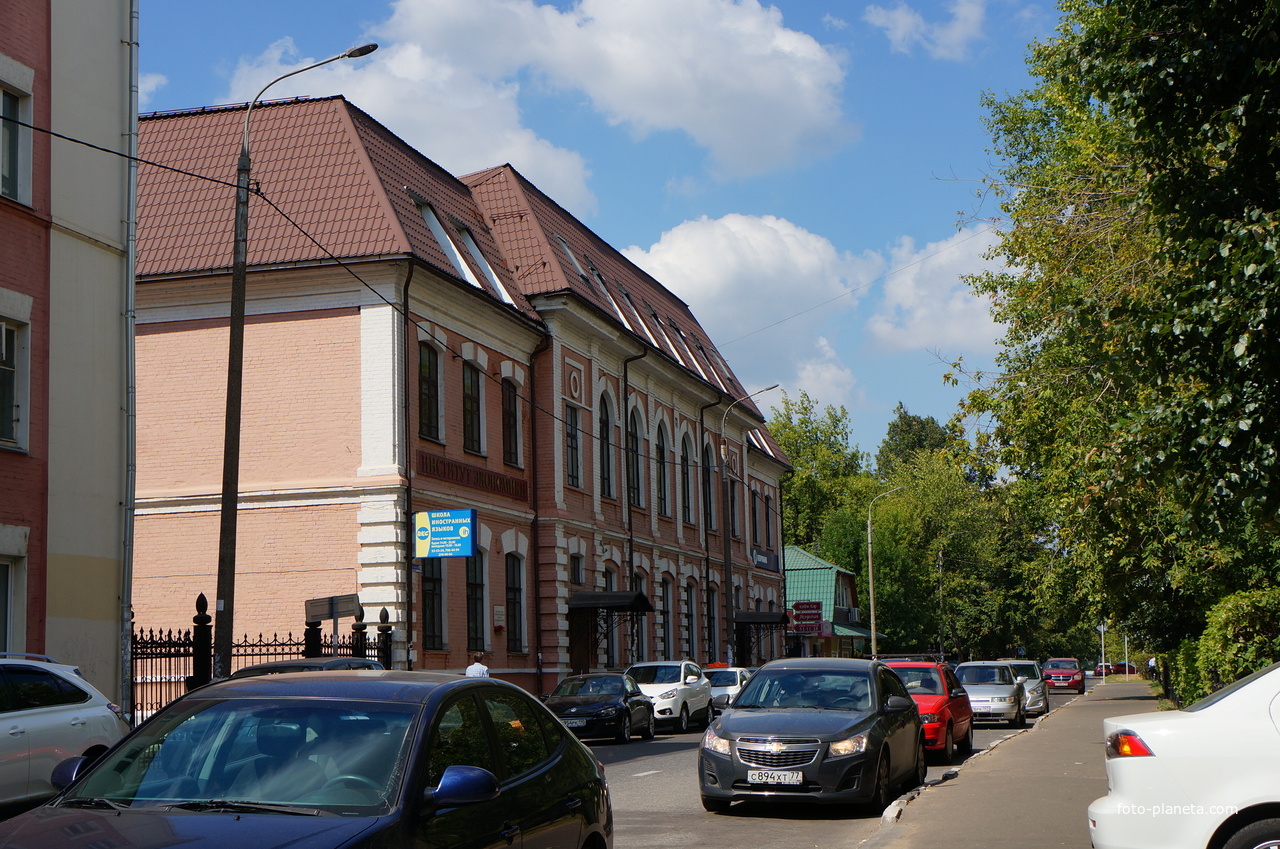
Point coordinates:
[[1027, 670], [589, 687], [655, 674], [920, 680], [984, 674], [1061, 664], [723, 678], [316, 755], [807, 688]]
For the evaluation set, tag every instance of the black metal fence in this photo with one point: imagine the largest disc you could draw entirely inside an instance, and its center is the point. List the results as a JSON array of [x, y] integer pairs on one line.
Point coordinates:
[[167, 664]]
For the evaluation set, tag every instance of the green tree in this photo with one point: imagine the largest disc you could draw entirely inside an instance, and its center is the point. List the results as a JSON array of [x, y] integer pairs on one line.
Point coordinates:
[[906, 436], [824, 462]]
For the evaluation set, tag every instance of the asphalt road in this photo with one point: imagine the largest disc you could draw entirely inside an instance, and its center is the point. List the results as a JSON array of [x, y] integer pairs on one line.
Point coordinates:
[[655, 799]]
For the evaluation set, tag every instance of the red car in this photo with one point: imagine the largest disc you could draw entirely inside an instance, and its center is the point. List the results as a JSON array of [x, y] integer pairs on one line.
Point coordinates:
[[1104, 669], [945, 713], [1064, 673]]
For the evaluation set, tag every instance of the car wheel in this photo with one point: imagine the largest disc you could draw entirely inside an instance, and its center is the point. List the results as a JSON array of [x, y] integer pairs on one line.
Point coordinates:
[[880, 793], [948, 746], [922, 766], [624, 729], [966, 742], [682, 722], [1017, 720], [715, 806], [1262, 834], [648, 731]]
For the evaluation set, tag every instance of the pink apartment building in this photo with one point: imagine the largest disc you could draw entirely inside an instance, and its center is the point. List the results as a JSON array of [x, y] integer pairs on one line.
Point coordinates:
[[417, 342]]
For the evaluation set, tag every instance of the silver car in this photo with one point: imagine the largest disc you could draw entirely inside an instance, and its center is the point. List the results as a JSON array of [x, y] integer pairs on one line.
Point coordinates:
[[995, 691], [726, 682], [1035, 687]]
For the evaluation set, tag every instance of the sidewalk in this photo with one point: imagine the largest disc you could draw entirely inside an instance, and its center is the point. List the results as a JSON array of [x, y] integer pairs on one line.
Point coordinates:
[[1031, 791]]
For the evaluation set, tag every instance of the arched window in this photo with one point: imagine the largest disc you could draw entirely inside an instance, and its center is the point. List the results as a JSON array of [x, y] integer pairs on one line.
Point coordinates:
[[428, 391], [660, 471], [475, 602], [691, 620], [472, 407], [603, 439], [515, 603], [634, 484], [708, 514], [686, 480], [510, 423]]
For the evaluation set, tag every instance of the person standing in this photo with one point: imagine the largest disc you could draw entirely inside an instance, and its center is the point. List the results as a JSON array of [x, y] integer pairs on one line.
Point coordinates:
[[477, 669]]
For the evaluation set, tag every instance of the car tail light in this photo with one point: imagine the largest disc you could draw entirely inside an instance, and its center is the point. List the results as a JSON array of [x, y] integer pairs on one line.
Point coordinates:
[[1127, 744]]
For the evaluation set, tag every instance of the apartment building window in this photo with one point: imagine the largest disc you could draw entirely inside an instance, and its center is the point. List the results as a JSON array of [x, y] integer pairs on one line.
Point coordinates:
[[572, 447], [633, 460], [475, 602], [510, 424], [515, 603], [755, 517], [428, 391], [472, 397], [641, 629], [686, 480], [13, 388], [733, 509], [577, 572], [660, 471], [606, 449], [690, 620], [713, 625], [708, 514], [15, 146], [664, 607], [768, 522], [432, 604]]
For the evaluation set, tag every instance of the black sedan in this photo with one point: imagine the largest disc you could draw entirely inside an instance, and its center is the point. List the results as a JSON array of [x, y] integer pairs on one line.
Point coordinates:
[[826, 730], [335, 759], [603, 704]]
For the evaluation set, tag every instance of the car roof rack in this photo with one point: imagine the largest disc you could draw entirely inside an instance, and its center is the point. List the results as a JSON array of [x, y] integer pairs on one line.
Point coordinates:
[[26, 655]]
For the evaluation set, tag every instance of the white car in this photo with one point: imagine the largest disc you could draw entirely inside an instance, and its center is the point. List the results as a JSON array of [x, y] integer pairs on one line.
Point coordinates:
[[1198, 777], [726, 682], [680, 691], [48, 713], [1035, 689]]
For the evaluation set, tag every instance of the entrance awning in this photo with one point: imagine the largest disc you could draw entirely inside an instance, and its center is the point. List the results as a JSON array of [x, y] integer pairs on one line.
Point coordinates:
[[616, 601], [853, 631], [760, 617]]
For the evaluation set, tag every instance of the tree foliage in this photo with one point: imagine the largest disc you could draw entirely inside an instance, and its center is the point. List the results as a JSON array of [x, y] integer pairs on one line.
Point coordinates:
[[907, 435]]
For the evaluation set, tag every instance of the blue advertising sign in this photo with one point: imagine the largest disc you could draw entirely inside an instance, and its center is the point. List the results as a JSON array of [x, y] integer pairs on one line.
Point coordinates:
[[444, 533]]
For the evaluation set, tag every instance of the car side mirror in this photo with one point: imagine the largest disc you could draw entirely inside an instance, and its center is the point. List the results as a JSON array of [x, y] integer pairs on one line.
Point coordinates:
[[67, 772], [958, 692], [898, 704], [544, 696], [692, 679], [1021, 679], [462, 785]]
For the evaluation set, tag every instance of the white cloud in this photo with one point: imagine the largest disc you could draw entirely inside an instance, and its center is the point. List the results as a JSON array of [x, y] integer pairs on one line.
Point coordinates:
[[925, 304], [949, 39], [149, 83], [448, 78], [763, 289]]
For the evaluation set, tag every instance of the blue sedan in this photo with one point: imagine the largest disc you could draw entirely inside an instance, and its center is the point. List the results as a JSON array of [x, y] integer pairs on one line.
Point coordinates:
[[335, 759]]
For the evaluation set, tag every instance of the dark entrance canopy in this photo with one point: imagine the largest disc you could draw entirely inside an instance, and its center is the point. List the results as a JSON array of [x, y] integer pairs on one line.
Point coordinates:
[[614, 601]]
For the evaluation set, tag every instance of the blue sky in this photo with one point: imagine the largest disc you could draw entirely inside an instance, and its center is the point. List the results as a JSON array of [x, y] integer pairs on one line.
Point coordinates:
[[804, 174]]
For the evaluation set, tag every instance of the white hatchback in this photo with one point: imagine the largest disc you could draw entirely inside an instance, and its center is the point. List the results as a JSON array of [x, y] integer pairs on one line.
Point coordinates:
[[680, 691], [1202, 776], [48, 713]]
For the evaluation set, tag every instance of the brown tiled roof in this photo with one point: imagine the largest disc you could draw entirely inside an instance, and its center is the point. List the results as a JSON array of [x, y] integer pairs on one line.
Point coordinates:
[[339, 175], [530, 226]]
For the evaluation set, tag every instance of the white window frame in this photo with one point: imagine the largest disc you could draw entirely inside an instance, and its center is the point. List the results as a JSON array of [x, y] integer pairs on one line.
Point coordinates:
[[15, 329], [18, 80]]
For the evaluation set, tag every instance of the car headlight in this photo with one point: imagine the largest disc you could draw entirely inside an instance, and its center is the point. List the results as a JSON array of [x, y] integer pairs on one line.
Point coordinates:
[[713, 741], [929, 717], [605, 713], [849, 746], [669, 694], [1002, 700]]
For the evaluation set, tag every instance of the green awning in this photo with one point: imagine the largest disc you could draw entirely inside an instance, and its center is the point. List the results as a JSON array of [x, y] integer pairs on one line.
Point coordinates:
[[852, 631]]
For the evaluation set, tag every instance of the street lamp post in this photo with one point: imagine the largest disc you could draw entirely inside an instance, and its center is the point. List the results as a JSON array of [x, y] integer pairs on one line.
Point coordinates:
[[941, 609], [225, 606], [871, 576], [724, 531]]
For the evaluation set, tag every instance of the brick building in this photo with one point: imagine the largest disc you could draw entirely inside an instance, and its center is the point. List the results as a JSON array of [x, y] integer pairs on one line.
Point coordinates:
[[419, 342], [65, 332]]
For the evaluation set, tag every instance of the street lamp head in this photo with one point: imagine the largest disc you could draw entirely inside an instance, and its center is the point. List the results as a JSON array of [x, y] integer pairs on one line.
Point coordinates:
[[362, 50]]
